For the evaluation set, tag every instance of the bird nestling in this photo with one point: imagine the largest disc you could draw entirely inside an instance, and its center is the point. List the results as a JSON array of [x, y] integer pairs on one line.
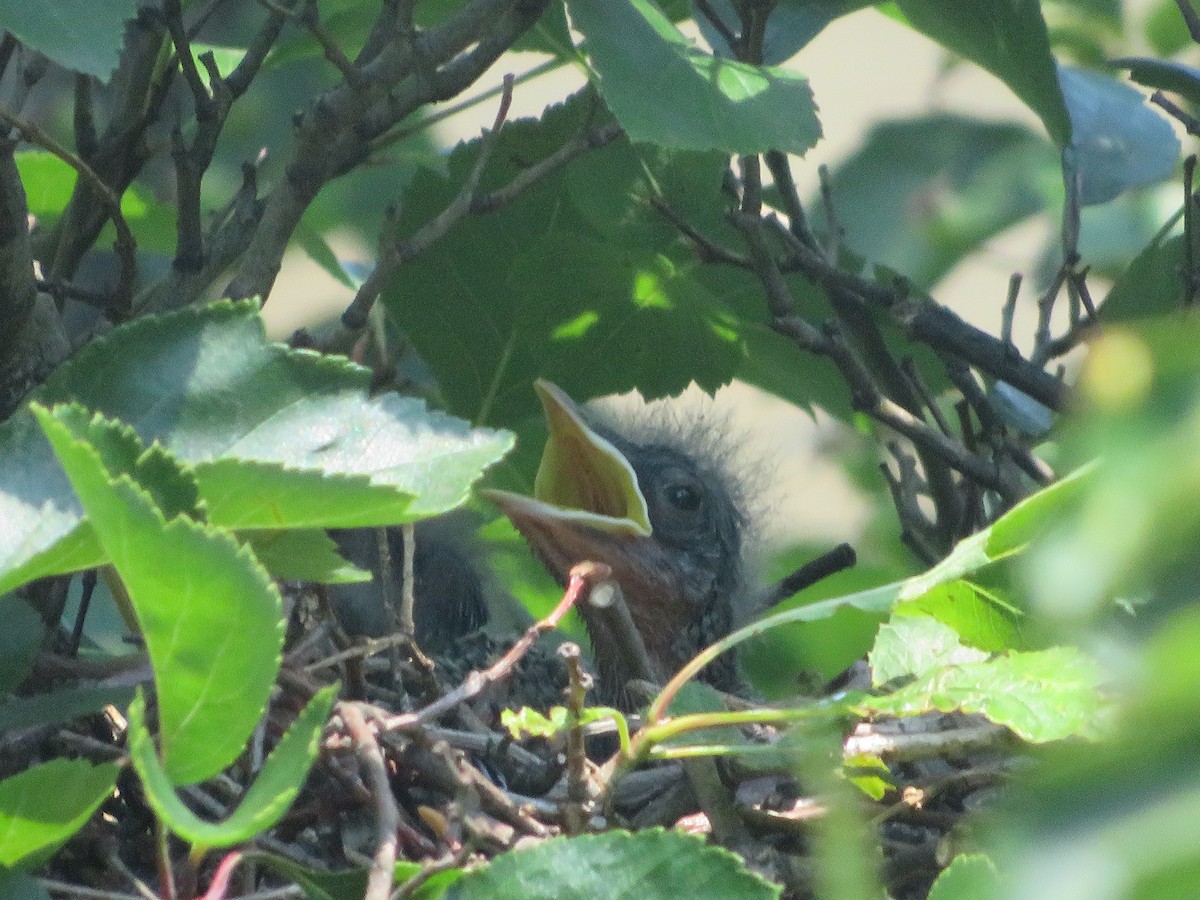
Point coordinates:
[[654, 502]]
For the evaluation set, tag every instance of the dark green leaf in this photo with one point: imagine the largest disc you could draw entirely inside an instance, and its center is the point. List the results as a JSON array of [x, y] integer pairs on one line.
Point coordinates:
[[277, 438], [82, 40], [21, 634], [715, 103], [570, 281], [61, 705]]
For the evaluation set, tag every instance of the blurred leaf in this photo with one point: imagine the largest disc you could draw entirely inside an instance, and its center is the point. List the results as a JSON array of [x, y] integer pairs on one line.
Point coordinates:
[[61, 705], [1006, 37], [1061, 837], [970, 876], [212, 680], [1117, 142], [1151, 286], [716, 103], [21, 635], [351, 884], [1165, 30], [268, 797], [44, 805], [1044, 695], [923, 192], [616, 865], [87, 41]]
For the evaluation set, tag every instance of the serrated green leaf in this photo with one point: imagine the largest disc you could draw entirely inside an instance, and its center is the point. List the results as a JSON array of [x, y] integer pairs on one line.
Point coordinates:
[[1046, 695], [277, 438], [213, 680], [488, 313], [268, 798], [976, 614], [1006, 37], [616, 865], [89, 42], [914, 644], [715, 103], [44, 805]]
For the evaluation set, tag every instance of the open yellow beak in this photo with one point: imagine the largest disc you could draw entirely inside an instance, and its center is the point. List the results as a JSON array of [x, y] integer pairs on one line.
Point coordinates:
[[582, 480]]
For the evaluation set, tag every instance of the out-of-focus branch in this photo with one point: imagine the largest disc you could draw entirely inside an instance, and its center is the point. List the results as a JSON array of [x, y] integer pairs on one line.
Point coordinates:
[[125, 246]]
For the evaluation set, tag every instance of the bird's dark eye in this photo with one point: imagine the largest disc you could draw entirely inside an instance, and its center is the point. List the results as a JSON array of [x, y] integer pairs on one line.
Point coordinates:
[[684, 496]]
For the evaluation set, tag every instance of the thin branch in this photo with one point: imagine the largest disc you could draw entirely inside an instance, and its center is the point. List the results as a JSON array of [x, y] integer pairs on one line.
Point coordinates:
[[355, 316], [838, 559], [387, 814], [583, 578], [125, 246], [1009, 313]]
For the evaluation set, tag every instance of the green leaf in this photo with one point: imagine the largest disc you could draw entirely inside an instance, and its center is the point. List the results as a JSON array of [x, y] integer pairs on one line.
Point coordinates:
[[213, 680], [715, 103], [977, 614], [81, 40], [61, 705], [1117, 141], [351, 884], [914, 644], [1006, 37], [1046, 695], [970, 876], [277, 438], [264, 803], [923, 192], [489, 315], [304, 555], [44, 805], [21, 635], [526, 722], [616, 865]]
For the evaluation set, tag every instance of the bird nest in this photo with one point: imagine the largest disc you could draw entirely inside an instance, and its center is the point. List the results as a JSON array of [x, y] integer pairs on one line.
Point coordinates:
[[421, 763]]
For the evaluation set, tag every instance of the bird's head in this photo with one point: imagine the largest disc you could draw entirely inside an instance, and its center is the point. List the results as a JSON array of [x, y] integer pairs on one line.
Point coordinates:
[[652, 502]]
